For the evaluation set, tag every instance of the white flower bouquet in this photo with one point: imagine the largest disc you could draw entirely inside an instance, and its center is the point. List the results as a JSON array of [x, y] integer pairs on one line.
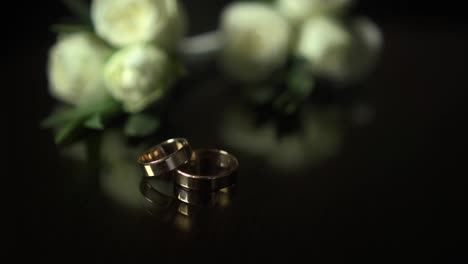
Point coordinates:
[[119, 61], [124, 58]]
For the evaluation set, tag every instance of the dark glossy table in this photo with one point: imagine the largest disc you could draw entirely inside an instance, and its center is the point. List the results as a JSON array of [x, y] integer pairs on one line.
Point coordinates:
[[395, 187]]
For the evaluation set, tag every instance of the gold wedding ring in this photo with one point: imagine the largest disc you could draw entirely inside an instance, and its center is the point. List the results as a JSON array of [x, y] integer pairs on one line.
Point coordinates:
[[208, 170], [165, 157]]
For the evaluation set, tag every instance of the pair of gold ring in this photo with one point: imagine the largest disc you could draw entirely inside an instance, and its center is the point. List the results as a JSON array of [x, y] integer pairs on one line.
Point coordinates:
[[202, 169]]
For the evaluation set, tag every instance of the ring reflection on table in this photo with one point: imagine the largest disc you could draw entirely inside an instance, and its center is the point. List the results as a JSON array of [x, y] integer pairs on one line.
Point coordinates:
[[198, 209], [157, 203], [220, 199], [165, 157]]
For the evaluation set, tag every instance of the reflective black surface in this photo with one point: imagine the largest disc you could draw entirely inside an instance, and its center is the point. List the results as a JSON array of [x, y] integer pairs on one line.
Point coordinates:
[[394, 189]]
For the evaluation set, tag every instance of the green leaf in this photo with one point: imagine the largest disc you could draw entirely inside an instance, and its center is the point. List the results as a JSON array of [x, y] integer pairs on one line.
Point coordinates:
[[140, 125], [71, 120], [108, 107], [300, 84], [94, 122], [286, 103], [67, 132], [59, 118]]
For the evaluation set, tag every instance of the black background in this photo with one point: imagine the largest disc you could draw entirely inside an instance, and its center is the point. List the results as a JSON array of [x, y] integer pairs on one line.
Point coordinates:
[[397, 189]]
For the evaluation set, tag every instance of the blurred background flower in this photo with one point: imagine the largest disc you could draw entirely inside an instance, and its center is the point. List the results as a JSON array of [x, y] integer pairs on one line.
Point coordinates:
[[297, 11], [138, 76], [340, 51], [255, 40], [76, 64], [119, 60], [125, 22]]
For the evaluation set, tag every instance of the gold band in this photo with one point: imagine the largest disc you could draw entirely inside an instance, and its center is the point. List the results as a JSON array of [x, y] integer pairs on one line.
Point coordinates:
[[209, 170], [165, 157]]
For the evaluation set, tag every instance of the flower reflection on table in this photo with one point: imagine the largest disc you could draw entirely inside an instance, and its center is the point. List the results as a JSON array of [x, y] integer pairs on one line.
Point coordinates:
[[317, 138]]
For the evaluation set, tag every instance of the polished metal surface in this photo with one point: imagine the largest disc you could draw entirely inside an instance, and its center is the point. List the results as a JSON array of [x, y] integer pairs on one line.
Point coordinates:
[[208, 170], [165, 157]]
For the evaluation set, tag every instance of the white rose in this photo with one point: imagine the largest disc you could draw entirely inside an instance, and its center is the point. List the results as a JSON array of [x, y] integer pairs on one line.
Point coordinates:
[[255, 40], [124, 22], [337, 52], [76, 63], [297, 11], [137, 76]]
